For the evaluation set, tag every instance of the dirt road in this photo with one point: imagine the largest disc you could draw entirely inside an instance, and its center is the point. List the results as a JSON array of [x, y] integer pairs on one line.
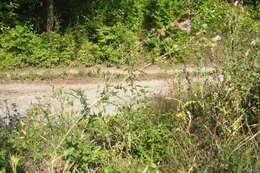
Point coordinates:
[[26, 94]]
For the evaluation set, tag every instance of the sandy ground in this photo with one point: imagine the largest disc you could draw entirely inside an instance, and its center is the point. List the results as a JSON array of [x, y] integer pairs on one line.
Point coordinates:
[[24, 95]]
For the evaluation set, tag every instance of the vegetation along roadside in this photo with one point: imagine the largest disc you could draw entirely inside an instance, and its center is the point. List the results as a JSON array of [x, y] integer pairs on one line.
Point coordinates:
[[207, 122]]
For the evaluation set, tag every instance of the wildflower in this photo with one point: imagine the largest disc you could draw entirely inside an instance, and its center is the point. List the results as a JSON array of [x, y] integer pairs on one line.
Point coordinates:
[[218, 37], [255, 65], [187, 22], [188, 29], [188, 25], [240, 2], [181, 115]]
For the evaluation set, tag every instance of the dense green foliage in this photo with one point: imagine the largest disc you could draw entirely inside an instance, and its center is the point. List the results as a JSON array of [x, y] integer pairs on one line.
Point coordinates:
[[92, 32], [208, 125]]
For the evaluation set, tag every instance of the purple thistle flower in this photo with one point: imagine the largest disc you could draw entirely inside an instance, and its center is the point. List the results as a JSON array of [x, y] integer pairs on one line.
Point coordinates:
[[240, 2], [255, 65], [188, 28], [188, 25], [218, 37], [187, 22]]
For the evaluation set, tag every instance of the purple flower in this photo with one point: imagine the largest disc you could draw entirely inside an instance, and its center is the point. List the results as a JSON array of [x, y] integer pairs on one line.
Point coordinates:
[[240, 2], [188, 28], [218, 37], [188, 25], [187, 22], [255, 65]]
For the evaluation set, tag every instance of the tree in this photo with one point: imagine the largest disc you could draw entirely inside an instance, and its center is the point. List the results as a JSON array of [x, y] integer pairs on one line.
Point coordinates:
[[50, 15]]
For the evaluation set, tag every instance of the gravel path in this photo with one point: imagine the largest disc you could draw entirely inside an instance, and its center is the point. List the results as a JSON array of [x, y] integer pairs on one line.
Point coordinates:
[[26, 95]]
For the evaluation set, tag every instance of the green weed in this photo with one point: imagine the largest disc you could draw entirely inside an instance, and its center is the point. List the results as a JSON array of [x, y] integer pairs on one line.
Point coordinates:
[[46, 76], [3, 75], [15, 76], [31, 75], [81, 73]]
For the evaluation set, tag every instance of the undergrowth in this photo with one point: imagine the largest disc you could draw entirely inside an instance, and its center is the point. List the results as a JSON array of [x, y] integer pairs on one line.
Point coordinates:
[[111, 33], [207, 123]]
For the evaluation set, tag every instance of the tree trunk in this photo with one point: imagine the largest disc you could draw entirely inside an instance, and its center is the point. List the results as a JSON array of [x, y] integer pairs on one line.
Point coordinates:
[[50, 15]]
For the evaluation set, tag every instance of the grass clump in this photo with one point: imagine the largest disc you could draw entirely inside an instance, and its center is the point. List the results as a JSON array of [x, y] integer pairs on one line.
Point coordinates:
[[31, 75], [3, 75], [15, 76], [46, 76]]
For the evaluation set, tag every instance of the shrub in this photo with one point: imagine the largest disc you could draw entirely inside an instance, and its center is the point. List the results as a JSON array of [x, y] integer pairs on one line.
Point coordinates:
[[116, 43], [87, 53], [20, 47], [159, 13]]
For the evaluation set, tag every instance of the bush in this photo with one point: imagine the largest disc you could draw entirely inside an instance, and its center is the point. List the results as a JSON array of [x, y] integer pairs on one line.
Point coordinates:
[[159, 13], [20, 47], [116, 43], [108, 32], [87, 53]]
